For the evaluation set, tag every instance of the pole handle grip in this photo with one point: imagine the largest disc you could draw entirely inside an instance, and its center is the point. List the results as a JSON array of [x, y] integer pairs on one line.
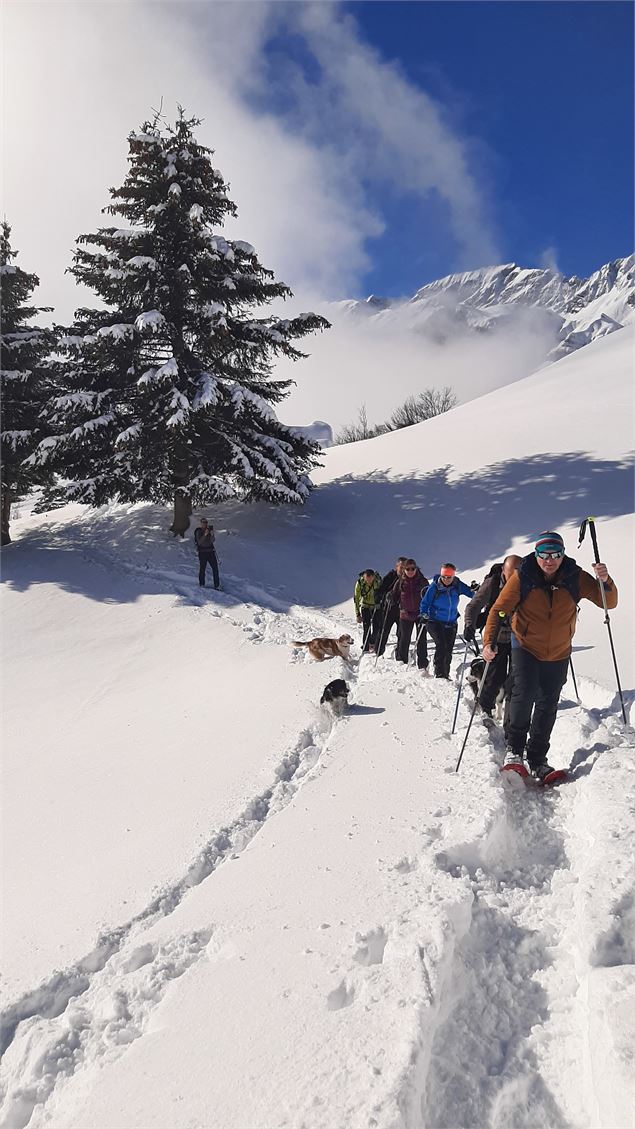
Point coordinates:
[[594, 539]]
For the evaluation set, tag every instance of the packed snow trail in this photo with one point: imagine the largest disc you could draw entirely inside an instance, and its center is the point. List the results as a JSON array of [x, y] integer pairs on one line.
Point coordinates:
[[488, 994]]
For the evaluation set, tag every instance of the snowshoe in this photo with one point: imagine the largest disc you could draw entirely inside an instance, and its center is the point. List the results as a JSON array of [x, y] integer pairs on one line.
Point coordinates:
[[515, 769], [545, 776], [514, 765]]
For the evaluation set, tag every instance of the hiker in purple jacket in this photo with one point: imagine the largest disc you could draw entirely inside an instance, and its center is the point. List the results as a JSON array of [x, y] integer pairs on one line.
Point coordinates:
[[406, 595]]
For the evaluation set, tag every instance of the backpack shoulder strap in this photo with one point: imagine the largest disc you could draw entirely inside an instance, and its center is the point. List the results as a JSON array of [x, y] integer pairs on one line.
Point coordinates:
[[527, 576], [568, 578]]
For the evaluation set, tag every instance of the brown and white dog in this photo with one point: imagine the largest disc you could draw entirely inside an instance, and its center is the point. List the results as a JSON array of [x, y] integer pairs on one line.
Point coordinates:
[[321, 649]]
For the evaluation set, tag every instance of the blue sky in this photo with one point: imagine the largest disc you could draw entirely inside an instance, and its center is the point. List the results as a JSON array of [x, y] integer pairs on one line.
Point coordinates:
[[549, 88], [541, 94]]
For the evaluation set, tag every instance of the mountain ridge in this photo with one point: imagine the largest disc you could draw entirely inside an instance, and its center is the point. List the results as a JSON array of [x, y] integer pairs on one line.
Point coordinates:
[[578, 310]]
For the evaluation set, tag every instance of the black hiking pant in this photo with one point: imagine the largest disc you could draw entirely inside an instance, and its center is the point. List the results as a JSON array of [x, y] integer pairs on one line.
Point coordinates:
[[369, 628], [444, 635], [536, 687], [207, 557], [404, 635], [496, 676], [387, 620]]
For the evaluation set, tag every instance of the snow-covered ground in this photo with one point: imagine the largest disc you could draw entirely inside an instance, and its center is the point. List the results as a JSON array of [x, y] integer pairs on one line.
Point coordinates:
[[221, 908]]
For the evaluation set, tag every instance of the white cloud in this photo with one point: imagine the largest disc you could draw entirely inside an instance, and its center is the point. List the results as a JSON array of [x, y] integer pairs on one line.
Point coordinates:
[[380, 361], [549, 259], [79, 76], [390, 129]]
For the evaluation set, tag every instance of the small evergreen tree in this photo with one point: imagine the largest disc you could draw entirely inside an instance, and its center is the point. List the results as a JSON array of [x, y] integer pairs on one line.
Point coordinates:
[[23, 378], [166, 392]]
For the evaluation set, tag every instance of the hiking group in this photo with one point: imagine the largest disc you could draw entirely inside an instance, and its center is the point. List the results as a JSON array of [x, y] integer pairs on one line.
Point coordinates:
[[526, 609]]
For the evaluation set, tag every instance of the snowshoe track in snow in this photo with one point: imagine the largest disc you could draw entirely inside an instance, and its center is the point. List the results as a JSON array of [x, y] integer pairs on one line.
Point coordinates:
[[50, 1011], [512, 1021], [71, 1001]]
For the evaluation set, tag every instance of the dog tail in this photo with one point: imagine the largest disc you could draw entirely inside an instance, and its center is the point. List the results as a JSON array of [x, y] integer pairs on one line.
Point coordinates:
[[298, 643]]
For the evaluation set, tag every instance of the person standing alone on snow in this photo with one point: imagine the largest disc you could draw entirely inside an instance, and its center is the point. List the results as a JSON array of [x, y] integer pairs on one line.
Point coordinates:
[[204, 538], [440, 607], [485, 597], [406, 596], [542, 598]]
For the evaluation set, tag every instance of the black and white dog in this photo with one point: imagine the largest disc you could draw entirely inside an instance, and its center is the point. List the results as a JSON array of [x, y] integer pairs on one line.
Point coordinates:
[[335, 697], [473, 677]]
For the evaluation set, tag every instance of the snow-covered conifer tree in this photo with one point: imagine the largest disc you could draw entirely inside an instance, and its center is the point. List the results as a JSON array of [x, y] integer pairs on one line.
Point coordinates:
[[23, 378], [168, 390]]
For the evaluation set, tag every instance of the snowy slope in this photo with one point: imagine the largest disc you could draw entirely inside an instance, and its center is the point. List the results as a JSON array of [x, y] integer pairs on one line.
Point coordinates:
[[226, 910]]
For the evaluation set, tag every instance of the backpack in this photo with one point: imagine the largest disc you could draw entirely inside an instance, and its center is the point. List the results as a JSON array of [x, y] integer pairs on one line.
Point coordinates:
[[481, 619], [365, 589]]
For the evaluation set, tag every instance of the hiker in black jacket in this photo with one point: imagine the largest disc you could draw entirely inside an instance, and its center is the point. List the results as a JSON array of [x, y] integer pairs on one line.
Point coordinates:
[[389, 613], [204, 539], [480, 603]]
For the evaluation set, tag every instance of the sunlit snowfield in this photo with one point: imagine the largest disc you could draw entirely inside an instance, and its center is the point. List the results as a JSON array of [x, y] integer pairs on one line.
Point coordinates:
[[224, 909]]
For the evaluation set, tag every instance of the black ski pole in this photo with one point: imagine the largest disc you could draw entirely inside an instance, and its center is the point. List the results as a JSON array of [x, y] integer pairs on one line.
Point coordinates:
[[421, 627], [474, 709], [458, 697], [590, 521], [366, 634], [575, 685], [382, 641]]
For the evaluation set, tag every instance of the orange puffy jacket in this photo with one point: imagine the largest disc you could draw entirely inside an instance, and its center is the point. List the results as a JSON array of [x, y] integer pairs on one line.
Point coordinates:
[[545, 622]]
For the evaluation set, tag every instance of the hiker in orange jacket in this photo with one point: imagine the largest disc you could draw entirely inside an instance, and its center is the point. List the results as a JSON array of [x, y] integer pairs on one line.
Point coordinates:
[[542, 599]]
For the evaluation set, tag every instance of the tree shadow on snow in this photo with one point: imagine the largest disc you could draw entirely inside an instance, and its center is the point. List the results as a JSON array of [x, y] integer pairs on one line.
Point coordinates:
[[311, 556]]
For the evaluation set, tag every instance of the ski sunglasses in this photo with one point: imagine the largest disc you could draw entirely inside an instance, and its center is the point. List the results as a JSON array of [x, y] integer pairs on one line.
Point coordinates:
[[547, 556]]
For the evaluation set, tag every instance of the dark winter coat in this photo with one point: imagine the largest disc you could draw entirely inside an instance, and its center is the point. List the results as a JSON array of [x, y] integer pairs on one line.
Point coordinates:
[[441, 602], [484, 597], [544, 609], [204, 539], [407, 593], [384, 592]]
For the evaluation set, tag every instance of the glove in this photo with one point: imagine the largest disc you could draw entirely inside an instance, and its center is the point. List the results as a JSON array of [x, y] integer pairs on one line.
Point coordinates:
[[468, 634]]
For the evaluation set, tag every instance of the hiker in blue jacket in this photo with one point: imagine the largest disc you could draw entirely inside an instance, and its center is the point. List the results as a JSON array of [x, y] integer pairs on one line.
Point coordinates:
[[440, 609]]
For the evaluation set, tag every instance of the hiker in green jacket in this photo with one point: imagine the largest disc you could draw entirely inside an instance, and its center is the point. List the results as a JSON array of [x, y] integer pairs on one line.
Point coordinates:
[[367, 606]]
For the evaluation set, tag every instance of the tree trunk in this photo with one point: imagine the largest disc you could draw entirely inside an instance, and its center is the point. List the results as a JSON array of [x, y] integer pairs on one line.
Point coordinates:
[[182, 514], [5, 536]]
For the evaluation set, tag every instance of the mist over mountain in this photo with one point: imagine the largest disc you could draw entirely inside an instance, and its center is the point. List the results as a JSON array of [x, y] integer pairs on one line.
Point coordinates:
[[579, 309], [475, 331]]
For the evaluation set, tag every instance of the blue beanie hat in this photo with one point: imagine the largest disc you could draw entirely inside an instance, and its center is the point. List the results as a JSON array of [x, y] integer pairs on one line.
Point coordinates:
[[549, 542]]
